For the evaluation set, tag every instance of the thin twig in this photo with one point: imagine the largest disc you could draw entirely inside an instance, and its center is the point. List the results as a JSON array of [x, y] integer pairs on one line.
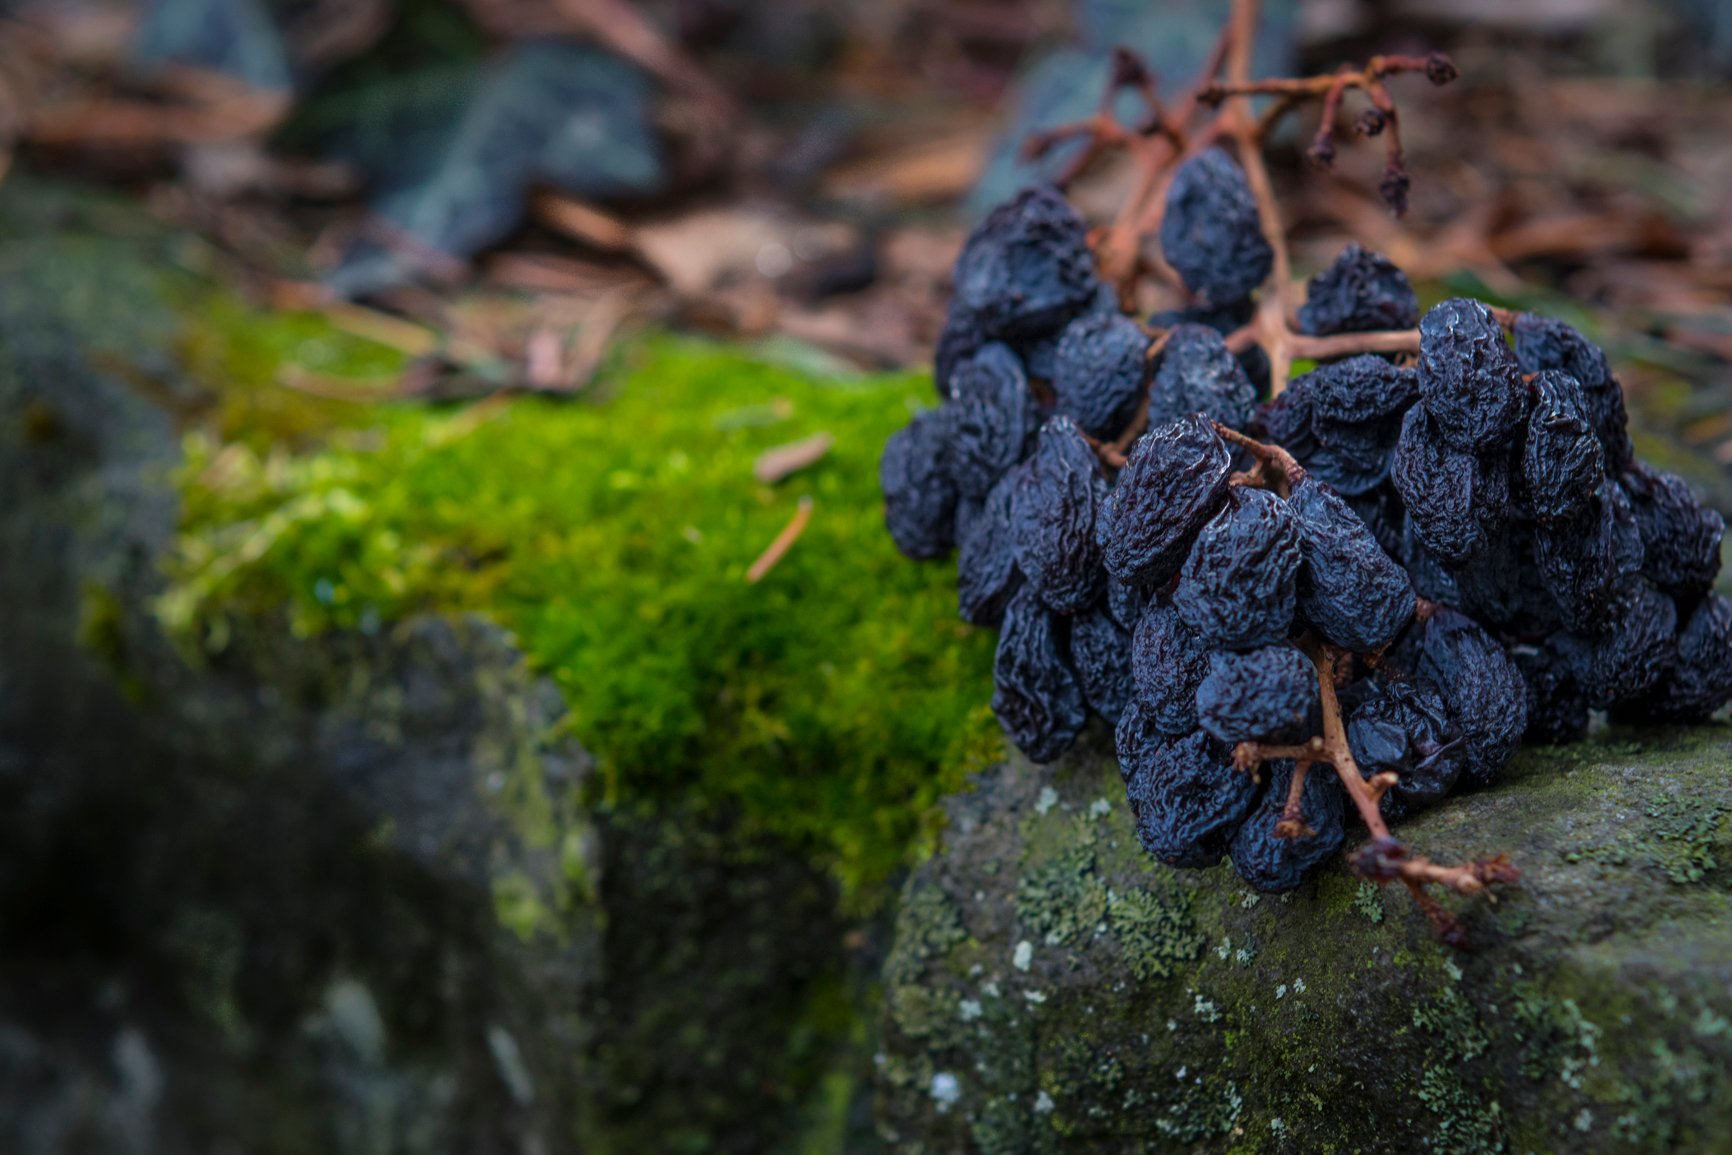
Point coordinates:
[[778, 549]]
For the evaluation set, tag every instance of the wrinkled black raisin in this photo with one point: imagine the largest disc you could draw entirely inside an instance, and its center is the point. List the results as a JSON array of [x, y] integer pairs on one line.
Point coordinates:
[[1562, 463], [1361, 292], [1100, 372], [1036, 695], [960, 339], [1454, 500], [1632, 653], [1382, 514], [1262, 695], [986, 573], [1100, 652], [1174, 481], [1405, 729], [1126, 602], [1542, 343], [1168, 663], [1198, 374], [995, 419], [1210, 231], [1237, 588], [1359, 389], [1680, 536], [1432, 579], [1587, 561], [1188, 799], [1701, 681], [919, 496], [1469, 381], [1273, 864], [1503, 585], [1052, 516], [1223, 319], [1026, 269], [1356, 595], [1557, 707], [1484, 689], [1135, 740]]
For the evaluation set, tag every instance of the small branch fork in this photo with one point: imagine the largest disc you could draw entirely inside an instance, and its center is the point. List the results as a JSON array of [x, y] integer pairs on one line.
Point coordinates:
[[1166, 135], [1383, 859]]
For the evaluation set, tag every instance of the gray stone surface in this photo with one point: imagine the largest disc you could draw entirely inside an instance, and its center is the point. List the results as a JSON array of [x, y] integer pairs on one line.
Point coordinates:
[[1051, 989]]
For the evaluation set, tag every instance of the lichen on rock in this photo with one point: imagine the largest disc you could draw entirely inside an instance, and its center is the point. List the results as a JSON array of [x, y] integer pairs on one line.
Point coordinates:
[[1328, 1020]]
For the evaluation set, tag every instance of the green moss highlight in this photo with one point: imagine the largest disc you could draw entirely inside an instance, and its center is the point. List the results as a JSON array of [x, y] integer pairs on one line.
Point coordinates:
[[271, 372], [1678, 837], [833, 703]]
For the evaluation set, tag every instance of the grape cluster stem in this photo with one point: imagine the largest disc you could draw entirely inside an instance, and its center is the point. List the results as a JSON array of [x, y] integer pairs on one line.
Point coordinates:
[[1166, 135]]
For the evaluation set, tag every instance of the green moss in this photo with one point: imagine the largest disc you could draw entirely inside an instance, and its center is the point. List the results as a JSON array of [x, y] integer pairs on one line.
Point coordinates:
[[832, 703], [518, 906], [1677, 837], [279, 377]]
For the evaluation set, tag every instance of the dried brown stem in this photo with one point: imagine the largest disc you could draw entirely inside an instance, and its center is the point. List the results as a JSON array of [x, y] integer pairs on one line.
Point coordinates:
[[1383, 858], [1281, 468]]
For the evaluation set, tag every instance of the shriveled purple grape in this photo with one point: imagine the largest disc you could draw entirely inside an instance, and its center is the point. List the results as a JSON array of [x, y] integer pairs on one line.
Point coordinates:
[[986, 573], [1632, 653], [1358, 389], [1562, 463], [1126, 602], [1557, 707], [1361, 292], [1026, 269], [1680, 535], [1224, 319], [1052, 517], [1383, 515], [919, 496], [1469, 381], [1542, 343], [1237, 588], [1586, 562], [1100, 652], [1273, 864], [1198, 374], [1135, 740], [1355, 595], [1701, 681], [1405, 729], [1036, 695], [1188, 799], [1174, 481], [1168, 663], [1478, 680], [1262, 695], [1210, 232], [1504, 587], [960, 339], [995, 419], [1100, 372], [1454, 499]]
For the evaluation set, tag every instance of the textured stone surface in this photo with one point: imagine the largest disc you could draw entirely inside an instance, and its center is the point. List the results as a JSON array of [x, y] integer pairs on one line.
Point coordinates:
[[1052, 989]]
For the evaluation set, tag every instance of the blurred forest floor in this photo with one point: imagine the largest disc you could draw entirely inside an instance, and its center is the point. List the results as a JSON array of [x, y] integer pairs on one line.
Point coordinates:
[[501, 188]]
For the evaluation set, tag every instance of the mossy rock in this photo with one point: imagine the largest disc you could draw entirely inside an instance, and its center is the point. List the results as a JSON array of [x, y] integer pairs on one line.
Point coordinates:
[[1051, 988], [355, 884]]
